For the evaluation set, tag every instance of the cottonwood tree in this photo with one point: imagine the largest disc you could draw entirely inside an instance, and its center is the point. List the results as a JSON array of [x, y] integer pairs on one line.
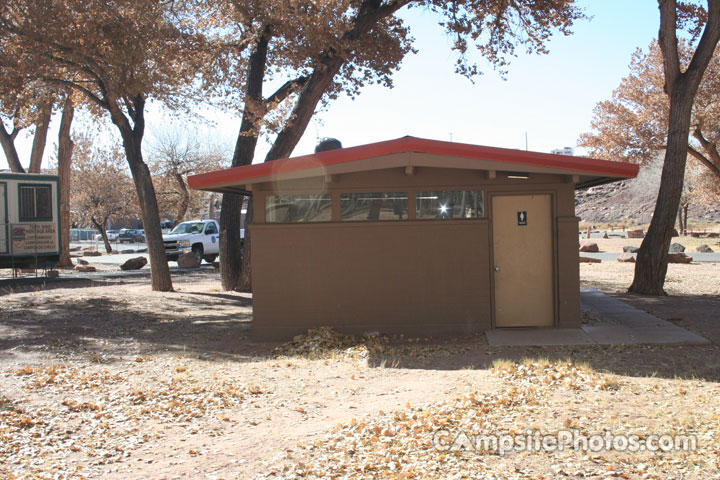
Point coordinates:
[[173, 156], [681, 84], [324, 49], [118, 54], [102, 190], [632, 126], [24, 105], [64, 167]]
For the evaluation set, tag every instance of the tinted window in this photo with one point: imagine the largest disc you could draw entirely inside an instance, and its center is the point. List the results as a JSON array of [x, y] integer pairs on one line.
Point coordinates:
[[35, 202], [450, 204], [298, 208], [376, 206]]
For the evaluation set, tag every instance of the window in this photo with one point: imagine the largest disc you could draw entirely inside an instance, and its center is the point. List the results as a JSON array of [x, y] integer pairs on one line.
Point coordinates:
[[35, 202], [298, 208], [445, 205], [373, 206], [211, 229]]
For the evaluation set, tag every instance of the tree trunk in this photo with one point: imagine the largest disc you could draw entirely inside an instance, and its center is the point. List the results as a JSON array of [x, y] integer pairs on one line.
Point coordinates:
[[231, 247], [102, 226], [685, 218], [40, 137], [65, 150], [7, 140], [651, 263], [680, 222], [211, 206], [182, 207], [681, 87], [246, 278], [132, 142]]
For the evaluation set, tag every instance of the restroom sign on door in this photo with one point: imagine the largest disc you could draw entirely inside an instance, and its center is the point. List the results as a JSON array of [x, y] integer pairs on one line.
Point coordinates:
[[522, 218]]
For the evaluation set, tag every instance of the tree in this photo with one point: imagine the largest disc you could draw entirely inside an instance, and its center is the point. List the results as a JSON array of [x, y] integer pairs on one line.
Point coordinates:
[[64, 161], [22, 105], [681, 87], [337, 47], [174, 156], [633, 125], [102, 190], [118, 54]]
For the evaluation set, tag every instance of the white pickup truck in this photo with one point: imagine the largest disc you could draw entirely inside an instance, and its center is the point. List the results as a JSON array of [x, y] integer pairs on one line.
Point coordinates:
[[201, 237]]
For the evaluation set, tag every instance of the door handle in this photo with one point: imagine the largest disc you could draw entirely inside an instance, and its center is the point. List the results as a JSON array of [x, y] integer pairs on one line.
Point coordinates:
[[497, 268]]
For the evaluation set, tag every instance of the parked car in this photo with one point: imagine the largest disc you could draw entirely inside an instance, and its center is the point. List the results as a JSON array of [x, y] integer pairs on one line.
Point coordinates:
[[201, 237], [112, 235], [131, 235]]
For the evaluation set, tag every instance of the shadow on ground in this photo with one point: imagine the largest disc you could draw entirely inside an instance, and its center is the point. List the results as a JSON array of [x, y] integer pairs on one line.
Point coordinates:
[[217, 326]]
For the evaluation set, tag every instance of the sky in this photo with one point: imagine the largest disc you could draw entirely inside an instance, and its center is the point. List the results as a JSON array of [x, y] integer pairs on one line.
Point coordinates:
[[547, 99]]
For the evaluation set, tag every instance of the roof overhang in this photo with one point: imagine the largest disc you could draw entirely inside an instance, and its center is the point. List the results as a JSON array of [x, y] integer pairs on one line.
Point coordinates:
[[411, 152]]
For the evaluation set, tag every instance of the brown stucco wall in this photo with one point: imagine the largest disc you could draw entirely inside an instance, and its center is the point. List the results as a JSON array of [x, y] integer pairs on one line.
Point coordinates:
[[418, 277]]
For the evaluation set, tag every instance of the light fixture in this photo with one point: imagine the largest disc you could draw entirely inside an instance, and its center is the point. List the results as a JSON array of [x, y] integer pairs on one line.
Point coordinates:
[[523, 176]]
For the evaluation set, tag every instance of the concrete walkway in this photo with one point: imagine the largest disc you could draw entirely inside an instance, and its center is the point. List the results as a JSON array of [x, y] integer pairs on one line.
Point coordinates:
[[619, 324]]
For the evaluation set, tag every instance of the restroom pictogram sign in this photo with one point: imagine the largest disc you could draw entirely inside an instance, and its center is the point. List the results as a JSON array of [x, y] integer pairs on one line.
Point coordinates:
[[522, 218]]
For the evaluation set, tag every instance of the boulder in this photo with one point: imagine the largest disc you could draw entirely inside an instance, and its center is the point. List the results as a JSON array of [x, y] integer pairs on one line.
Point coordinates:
[[676, 248], [589, 247], [589, 260], [713, 235], [134, 263], [627, 258], [675, 233], [635, 234], [704, 249], [85, 268], [75, 249], [127, 251], [91, 253], [631, 249], [82, 262], [187, 260], [678, 258]]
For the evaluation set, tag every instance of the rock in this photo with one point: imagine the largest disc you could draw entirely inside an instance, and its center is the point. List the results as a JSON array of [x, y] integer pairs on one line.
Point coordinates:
[[75, 249], [52, 274], [696, 234], [141, 250], [631, 249], [85, 268], [626, 257], [676, 248], [82, 262], [635, 234], [678, 258], [187, 260], [127, 251], [605, 235], [589, 247], [675, 233], [704, 249], [589, 260], [134, 263], [713, 235], [91, 253]]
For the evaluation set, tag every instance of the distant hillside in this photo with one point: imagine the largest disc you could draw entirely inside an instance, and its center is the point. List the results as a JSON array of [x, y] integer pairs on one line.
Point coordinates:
[[632, 201]]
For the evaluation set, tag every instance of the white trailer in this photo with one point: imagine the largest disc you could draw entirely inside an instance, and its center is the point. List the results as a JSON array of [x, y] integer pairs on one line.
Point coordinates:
[[29, 220]]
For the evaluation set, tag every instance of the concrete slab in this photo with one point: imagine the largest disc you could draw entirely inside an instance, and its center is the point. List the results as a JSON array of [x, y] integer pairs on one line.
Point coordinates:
[[539, 337], [619, 324]]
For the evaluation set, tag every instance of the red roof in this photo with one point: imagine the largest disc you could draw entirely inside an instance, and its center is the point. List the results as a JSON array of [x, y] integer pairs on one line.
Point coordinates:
[[574, 165]]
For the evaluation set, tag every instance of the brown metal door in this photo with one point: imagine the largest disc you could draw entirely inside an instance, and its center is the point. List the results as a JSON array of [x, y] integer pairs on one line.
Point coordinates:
[[522, 260]]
